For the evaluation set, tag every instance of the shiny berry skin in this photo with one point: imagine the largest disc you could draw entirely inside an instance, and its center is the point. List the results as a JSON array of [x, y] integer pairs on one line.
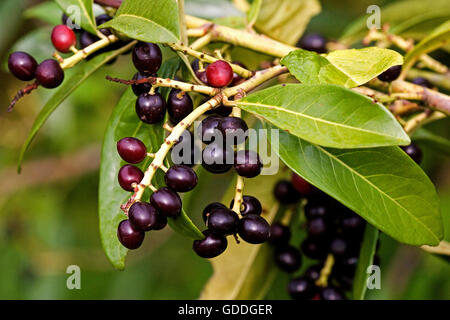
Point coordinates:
[[147, 57], [141, 88], [128, 236], [223, 111], [339, 247], [22, 65], [314, 248], [317, 227], [86, 39], [128, 175], [201, 75], [414, 152], [185, 144], [222, 221], [253, 229], [315, 210], [219, 74], [279, 234], [422, 82], [301, 289], [288, 258], [247, 163], [217, 159], [181, 178], [301, 185], [150, 108], [211, 246], [101, 19], [63, 38], [209, 208], [161, 222], [250, 205], [285, 193], [390, 74], [331, 293], [233, 129], [49, 74], [143, 216], [352, 224], [179, 105], [313, 272], [313, 42], [131, 150], [210, 129], [167, 202]]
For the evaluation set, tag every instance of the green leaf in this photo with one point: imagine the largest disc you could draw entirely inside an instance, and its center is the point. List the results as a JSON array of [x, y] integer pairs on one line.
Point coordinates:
[[10, 21], [150, 21], [78, 76], [48, 11], [253, 12], [432, 140], [327, 115], [286, 20], [382, 185], [438, 38], [85, 10], [348, 68], [366, 255]]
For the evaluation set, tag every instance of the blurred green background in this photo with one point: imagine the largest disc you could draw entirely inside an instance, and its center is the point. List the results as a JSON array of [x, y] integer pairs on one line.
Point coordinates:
[[48, 214]]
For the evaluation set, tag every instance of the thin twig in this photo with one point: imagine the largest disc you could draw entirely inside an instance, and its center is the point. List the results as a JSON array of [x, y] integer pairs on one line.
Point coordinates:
[[27, 90]]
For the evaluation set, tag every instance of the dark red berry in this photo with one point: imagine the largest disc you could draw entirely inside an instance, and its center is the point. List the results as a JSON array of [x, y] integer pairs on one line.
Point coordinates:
[[131, 150], [250, 205], [201, 75], [222, 221], [217, 159], [331, 293], [301, 185], [247, 163], [390, 74], [317, 227], [253, 229], [143, 216], [128, 175], [422, 82], [150, 108], [279, 234], [313, 272], [209, 208], [167, 202], [301, 289], [181, 178], [63, 38], [210, 129], [147, 57], [22, 65], [314, 248], [128, 236], [179, 105], [49, 74], [315, 210], [234, 130], [288, 258], [161, 223], [219, 74], [285, 193], [414, 152], [211, 246], [141, 88], [313, 42]]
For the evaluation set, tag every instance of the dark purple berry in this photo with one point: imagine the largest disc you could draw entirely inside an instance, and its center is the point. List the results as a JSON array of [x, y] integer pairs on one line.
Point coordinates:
[[313, 272], [167, 202], [129, 175], [253, 229], [317, 227], [201, 75], [233, 129], [22, 65], [414, 152], [313, 42], [390, 74], [150, 108], [86, 39], [217, 159], [223, 111], [352, 224], [285, 193], [209, 129], [101, 19], [222, 221], [315, 210], [247, 163], [49, 74], [179, 105], [210, 207], [315, 248], [184, 150], [128, 236], [345, 266], [211, 246], [131, 150], [331, 293], [237, 79], [422, 82], [141, 88], [301, 289], [147, 57], [250, 205], [288, 258], [143, 216], [181, 178], [339, 247], [279, 234]]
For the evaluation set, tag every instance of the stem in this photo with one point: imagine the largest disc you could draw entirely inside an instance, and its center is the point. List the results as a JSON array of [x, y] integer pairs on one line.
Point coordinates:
[[439, 80], [422, 118], [239, 190], [27, 90], [326, 271], [201, 42], [443, 248], [182, 18]]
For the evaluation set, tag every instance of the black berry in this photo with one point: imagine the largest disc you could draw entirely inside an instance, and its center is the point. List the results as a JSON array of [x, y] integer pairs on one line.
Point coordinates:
[[181, 178], [288, 258], [217, 159], [301, 289], [150, 108], [352, 224], [313, 42], [223, 111], [128, 175], [49, 74], [101, 19], [414, 152], [315, 210], [247, 163], [233, 129], [179, 105], [167, 202], [253, 229], [22, 65], [285, 193], [141, 88], [209, 208], [390, 74], [86, 39], [209, 129], [422, 82], [339, 247], [131, 150], [317, 227], [143, 216], [219, 74], [201, 75], [128, 236], [184, 150], [314, 248], [222, 221], [279, 234], [211, 246], [147, 57], [250, 205], [331, 293], [313, 272]]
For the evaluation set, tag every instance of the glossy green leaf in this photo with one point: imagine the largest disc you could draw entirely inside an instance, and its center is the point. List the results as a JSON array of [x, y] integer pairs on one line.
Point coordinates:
[[432, 140], [253, 12], [82, 9], [383, 185], [48, 11], [77, 77], [366, 255], [348, 68], [438, 38], [286, 20], [10, 21], [150, 21], [327, 115]]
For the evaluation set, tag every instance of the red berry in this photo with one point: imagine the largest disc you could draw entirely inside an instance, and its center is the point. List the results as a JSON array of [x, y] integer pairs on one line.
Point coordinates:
[[131, 150], [300, 184], [63, 38], [219, 74]]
